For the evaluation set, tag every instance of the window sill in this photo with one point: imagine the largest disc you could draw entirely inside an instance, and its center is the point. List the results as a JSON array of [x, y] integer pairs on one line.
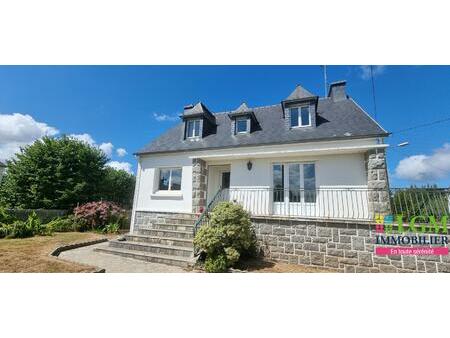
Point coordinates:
[[161, 194]]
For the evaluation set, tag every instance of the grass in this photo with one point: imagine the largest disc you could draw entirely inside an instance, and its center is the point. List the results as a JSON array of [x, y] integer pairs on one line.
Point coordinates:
[[32, 254], [264, 266]]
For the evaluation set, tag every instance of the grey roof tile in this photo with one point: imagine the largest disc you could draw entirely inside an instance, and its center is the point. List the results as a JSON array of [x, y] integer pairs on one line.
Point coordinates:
[[299, 93], [335, 120]]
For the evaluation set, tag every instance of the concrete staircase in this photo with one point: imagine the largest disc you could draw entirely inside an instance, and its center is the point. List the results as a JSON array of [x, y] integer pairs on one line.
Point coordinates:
[[169, 240]]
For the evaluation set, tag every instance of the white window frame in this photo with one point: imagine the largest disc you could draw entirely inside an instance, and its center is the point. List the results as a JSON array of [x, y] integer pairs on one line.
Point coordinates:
[[247, 125], [170, 179], [299, 117], [286, 177], [193, 128]]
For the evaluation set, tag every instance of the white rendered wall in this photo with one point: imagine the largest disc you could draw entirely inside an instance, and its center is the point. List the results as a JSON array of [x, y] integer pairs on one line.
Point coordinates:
[[149, 199]]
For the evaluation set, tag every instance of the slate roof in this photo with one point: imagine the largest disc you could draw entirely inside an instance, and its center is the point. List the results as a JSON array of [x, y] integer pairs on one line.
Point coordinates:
[[299, 93], [198, 109], [335, 120], [2, 164]]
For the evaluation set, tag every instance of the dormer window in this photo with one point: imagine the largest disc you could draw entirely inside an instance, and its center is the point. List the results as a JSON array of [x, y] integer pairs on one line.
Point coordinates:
[[300, 117], [193, 129], [242, 125]]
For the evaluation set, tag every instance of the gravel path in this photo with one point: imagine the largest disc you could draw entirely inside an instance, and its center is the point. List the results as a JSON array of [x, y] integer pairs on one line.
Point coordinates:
[[113, 263]]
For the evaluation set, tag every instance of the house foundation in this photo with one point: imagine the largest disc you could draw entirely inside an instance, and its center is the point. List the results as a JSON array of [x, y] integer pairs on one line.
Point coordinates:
[[337, 245]]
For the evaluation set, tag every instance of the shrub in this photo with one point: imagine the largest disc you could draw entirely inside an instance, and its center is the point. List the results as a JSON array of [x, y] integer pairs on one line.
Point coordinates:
[[5, 217], [4, 230], [228, 238], [20, 229], [112, 228], [216, 263], [63, 224], [97, 214]]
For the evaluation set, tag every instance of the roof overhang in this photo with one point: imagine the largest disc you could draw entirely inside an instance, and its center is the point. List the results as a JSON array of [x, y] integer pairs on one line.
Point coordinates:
[[290, 152]]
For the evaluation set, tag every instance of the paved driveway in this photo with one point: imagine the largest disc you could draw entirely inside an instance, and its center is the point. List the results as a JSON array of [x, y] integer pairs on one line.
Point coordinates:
[[113, 263]]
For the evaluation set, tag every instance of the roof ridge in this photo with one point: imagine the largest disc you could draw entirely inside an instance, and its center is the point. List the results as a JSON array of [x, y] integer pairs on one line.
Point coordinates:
[[230, 111]]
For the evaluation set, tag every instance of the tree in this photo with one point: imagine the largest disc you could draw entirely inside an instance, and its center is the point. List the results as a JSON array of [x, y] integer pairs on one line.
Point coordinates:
[[118, 186], [53, 173]]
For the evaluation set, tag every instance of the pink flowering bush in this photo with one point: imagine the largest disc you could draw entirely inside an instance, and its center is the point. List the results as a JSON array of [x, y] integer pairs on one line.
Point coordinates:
[[97, 215]]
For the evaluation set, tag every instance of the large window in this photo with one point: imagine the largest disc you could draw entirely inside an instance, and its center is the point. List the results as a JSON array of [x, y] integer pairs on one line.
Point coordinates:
[[242, 125], [300, 182], [170, 179], [193, 128], [300, 117]]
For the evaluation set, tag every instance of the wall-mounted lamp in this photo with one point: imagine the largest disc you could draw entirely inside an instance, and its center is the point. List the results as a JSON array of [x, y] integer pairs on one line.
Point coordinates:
[[249, 165]]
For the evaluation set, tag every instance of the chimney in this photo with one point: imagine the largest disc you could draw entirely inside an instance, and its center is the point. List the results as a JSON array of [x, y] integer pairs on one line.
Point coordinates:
[[337, 91]]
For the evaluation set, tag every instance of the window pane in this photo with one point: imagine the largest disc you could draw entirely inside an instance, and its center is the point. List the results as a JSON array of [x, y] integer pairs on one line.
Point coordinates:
[[241, 126], [197, 128], [190, 129], [305, 116], [164, 175], [294, 117], [278, 183], [294, 182], [175, 183], [309, 182]]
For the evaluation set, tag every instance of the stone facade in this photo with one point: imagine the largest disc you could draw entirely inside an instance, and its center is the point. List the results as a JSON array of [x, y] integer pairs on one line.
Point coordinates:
[[199, 185], [340, 246], [377, 182], [146, 219]]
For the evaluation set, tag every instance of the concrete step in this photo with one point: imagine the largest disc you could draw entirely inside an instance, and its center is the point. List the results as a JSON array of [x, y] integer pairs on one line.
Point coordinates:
[[167, 250], [165, 233], [160, 240], [181, 216], [149, 256], [177, 227], [177, 220]]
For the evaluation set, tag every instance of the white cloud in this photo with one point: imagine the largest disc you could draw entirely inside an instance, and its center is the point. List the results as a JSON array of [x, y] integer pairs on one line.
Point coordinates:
[[84, 138], [164, 117], [18, 130], [121, 152], [425, 167], [365, 71], [107, 148], [120, 166]]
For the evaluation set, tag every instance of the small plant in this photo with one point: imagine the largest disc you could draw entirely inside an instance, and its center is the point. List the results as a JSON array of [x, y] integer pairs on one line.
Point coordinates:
[[96, 215], [20, 229], [112, 228], [5, 217], [227, 239], [64, 224], [216, 263]]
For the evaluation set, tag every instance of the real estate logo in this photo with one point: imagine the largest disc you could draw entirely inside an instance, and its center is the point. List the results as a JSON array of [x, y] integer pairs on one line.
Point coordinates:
[[422, 235]]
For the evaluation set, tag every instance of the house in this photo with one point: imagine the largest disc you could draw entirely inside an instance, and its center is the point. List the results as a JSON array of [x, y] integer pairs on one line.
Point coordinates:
[[2, 169], [305, 157]]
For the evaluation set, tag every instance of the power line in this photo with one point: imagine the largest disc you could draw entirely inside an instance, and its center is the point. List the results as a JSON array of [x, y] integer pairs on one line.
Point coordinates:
[[373, 93], [421, 125]]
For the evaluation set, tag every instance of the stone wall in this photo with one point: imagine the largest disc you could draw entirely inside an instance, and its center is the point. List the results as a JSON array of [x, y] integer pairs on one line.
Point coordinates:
[[377, 182], [145, 219], [199, 187], [340, 246]]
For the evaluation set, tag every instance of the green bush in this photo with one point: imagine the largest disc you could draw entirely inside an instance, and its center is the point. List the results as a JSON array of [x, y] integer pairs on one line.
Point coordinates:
[[19, 229], [216, 263], [228, 238], [5, 217], [112, 228]]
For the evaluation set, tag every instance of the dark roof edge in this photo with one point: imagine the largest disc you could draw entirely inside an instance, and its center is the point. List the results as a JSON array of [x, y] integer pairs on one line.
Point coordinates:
[[265, 144]]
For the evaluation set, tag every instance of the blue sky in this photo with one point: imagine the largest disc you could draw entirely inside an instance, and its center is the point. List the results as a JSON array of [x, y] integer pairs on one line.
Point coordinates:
[[128, 106]]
